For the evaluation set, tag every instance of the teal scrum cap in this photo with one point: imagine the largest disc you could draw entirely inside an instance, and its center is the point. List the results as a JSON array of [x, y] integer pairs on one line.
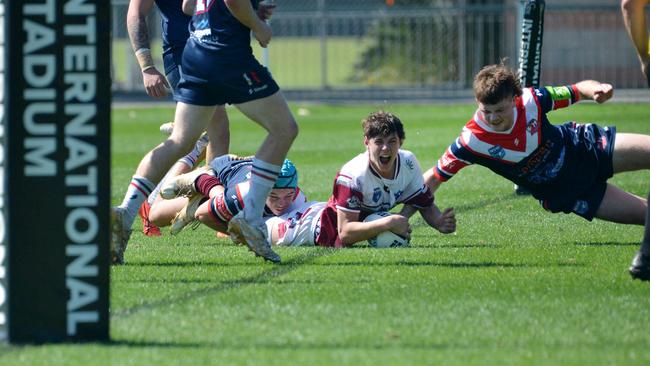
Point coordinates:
[[288, 177]]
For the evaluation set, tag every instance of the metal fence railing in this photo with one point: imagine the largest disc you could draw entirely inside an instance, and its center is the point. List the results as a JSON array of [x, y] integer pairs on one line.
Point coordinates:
[[418, 52]]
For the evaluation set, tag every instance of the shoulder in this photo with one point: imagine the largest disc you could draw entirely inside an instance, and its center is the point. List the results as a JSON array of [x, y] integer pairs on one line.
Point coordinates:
[[409, 159], [357, 166]]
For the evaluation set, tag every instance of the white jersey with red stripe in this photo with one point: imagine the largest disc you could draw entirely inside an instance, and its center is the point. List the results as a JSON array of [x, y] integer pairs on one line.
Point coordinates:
[[359, 188], [299, 227], [532, 153]]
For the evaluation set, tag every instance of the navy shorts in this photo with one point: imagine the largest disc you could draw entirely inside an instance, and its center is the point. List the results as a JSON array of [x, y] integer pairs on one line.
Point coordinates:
[[592, 148], [208, 80], [172, 62]]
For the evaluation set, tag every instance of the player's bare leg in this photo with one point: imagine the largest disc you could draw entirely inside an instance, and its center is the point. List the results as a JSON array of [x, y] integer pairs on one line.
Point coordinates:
[[190, 122], [274, 115], [632, 152], [635, 24], [640, 267], [622, 207]]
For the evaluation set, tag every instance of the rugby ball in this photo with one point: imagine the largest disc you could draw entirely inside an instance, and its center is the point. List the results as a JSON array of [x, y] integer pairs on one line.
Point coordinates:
[[387, 239]]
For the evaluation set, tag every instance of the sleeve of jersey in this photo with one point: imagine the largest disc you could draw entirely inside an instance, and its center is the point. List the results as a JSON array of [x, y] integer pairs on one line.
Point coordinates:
[[346, 196], [451, 162], [556, 97], [419, 194]]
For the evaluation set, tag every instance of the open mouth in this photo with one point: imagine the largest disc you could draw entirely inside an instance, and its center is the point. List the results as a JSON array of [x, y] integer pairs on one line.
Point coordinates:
[[384, 160]]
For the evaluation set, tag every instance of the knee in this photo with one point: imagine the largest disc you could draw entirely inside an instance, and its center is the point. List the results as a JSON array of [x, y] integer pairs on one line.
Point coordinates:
[[180, 147], [289, 131], [156, 218]]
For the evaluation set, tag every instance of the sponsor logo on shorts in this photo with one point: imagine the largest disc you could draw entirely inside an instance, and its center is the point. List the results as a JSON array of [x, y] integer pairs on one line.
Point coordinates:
[[256, 90], [581, 207]]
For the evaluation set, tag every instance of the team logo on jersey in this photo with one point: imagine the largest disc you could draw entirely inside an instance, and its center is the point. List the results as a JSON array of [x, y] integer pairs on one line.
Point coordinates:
[[497, 151], [376, 194], [353, 202], [532, 126], [409, 163]]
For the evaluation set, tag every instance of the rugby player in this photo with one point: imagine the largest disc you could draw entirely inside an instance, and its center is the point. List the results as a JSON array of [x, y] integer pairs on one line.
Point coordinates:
[[565, 167]]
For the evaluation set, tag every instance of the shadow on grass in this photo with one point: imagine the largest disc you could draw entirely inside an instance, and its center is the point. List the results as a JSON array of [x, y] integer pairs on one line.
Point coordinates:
[[278, 346], [449, 264], [275, 271], [608, 244], [456, 246]]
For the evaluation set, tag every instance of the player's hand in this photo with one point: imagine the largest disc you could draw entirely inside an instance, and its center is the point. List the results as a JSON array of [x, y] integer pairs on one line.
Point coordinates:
[[603, 92], [265, 10], [155, 83], [446, 222], [400, 225], [263, 33]]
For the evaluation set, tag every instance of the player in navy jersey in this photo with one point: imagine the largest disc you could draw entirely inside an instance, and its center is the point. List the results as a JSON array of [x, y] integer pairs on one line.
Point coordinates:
[[213, 196], [152, 167], [635, 24], [377, 180], [219, 68], [566, 167]]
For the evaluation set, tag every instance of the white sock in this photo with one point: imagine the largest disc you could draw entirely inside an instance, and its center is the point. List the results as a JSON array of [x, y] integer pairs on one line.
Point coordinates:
[[263, 177], [138, 191]]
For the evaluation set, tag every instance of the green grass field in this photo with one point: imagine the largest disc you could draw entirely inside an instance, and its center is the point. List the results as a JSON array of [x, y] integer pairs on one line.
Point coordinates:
[[514, 286]]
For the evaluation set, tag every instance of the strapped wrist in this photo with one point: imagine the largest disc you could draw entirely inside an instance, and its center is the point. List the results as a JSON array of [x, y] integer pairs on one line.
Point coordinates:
[[144, 58]]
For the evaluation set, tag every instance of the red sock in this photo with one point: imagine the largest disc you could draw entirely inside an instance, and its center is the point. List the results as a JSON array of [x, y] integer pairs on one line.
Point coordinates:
[[205, 182]]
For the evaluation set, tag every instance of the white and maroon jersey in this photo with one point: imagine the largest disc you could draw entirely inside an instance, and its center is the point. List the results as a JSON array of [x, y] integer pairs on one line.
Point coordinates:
[[533, 153], [299, 227], [359, 188]]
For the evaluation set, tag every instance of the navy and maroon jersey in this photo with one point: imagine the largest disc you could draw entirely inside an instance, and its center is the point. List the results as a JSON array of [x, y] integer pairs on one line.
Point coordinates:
[[542, 157], [214, 28], [174, 24]]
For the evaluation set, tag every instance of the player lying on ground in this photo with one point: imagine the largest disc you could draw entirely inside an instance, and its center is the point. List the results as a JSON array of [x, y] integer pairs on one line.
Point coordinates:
[[565, 167], [213, 196], [377, 180]]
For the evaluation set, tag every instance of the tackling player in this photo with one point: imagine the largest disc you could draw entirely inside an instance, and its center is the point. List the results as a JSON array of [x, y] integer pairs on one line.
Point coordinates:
[[565, 167], [216, 195], [174, 34], [218, 68]]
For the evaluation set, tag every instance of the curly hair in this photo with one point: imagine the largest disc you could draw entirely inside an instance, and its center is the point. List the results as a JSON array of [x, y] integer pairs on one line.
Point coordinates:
[[496, 82], [382, 123]]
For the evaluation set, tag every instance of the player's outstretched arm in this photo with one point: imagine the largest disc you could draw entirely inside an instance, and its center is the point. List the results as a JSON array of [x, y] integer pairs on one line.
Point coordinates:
[[431, 181], [245, 14], [595, 90], [351, 230], [154, 82], [445, 221]]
